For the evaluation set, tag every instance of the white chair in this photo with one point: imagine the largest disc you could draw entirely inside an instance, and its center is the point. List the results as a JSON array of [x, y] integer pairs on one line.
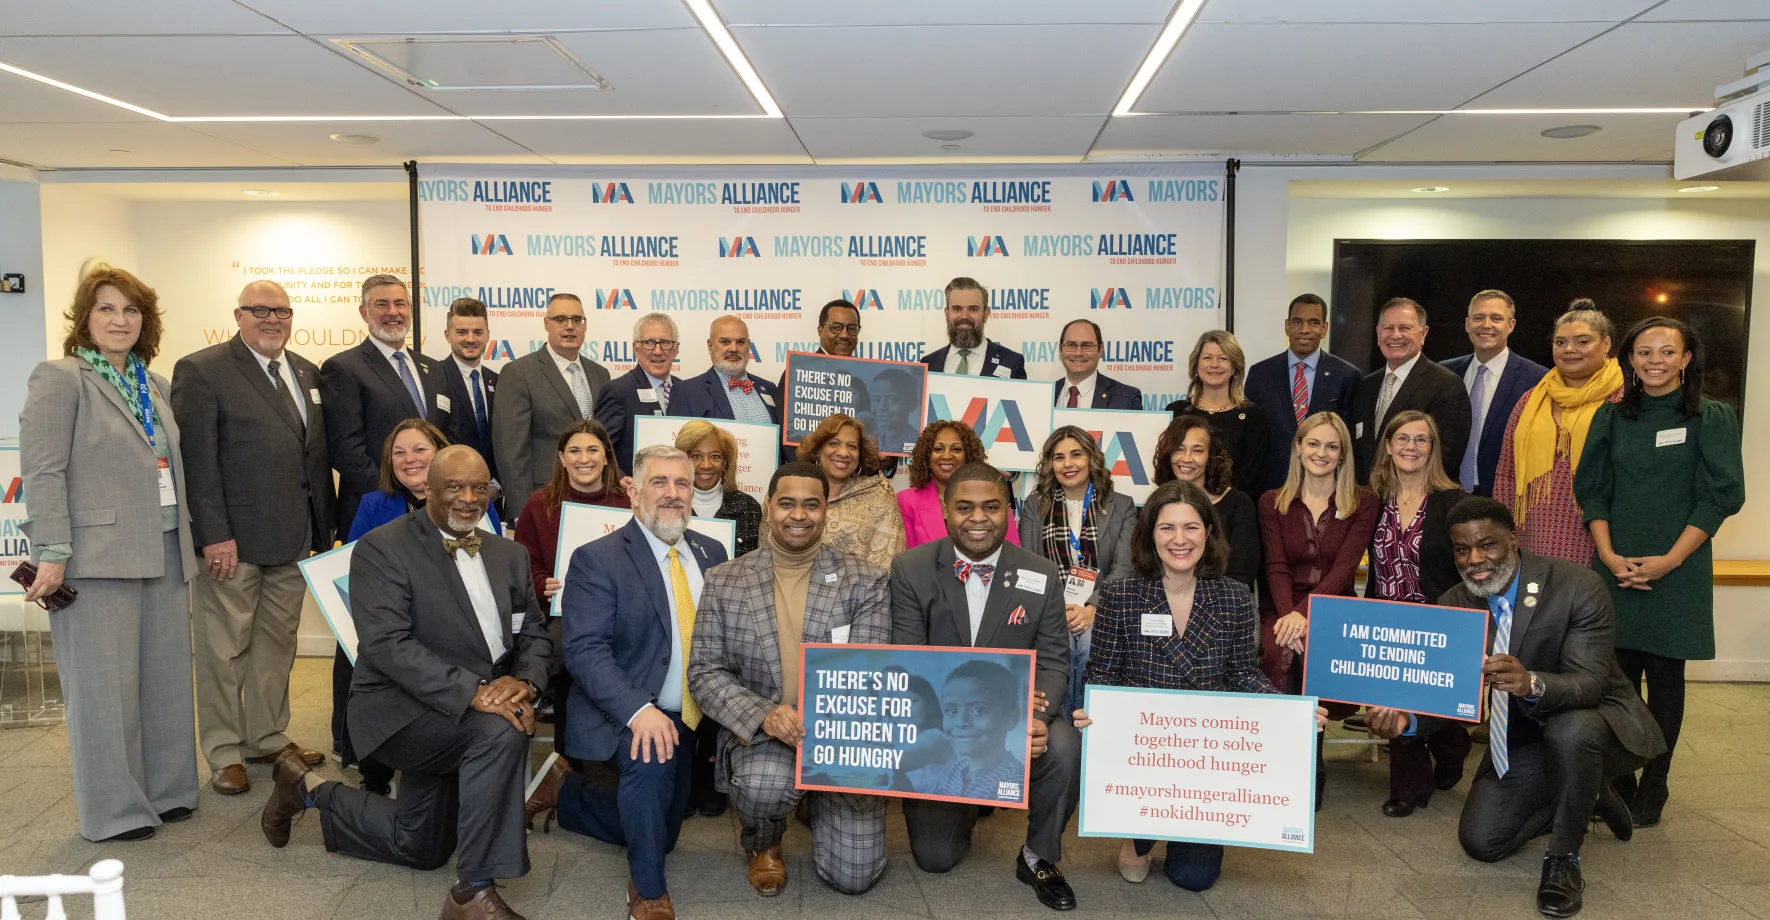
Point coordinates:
[[104, 883]]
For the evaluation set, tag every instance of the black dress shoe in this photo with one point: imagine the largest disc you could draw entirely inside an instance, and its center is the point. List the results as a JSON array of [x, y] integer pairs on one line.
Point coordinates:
[[1649, 801], [1559, 893], [139, 833], [175, 815], [713, 805], [1401, 808], [1615, 815], [1047, 882], [1447, 775]]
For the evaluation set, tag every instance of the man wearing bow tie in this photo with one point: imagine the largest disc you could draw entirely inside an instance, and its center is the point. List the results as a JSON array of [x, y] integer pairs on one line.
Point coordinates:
[[972, 589], [727, 390]]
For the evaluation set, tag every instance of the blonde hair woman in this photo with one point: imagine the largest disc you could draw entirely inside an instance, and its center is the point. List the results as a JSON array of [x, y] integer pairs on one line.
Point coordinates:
[[713, 452], [1218, 369]]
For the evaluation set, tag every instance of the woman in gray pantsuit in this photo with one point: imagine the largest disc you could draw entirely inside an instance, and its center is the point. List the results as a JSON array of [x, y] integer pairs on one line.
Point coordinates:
[[99, 451]]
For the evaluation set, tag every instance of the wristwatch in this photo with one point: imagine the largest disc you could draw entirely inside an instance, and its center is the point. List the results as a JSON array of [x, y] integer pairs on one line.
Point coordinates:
[[535, 692], [1537, 687]]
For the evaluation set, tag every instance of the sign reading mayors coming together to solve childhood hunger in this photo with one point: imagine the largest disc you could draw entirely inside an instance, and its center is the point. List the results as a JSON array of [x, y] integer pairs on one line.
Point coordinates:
[[1139, 250]]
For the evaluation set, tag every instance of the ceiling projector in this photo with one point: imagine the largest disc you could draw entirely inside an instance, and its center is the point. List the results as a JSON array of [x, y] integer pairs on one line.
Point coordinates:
[[1732, 140]]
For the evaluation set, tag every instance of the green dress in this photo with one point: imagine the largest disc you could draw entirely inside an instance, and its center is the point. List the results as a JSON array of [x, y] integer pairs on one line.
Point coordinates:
[[1650, 477]]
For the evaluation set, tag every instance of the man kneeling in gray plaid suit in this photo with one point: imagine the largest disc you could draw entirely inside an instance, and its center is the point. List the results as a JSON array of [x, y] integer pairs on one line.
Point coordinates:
[[743, 668]]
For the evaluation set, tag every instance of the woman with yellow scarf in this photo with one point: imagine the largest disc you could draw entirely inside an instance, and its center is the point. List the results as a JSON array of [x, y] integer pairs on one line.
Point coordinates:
[[1547, 432]]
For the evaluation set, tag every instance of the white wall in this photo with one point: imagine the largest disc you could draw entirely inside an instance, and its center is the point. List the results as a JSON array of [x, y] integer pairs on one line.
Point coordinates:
[[21, 315]]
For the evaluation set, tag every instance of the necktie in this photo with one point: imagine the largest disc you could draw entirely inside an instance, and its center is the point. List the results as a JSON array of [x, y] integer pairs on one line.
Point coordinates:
[[1499, 706], [1477, 409], [683, 598], [405, 377], [741, 383], [1074, 395], [1383, 398], [479, 405], [574, 378], [276, 383], [470, 543], [964, 360], [664, 395], [1300, 394], [964, 570]]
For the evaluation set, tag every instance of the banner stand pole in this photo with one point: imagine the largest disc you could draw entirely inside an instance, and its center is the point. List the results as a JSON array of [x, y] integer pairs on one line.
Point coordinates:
[[412, 196], [1230, 168]]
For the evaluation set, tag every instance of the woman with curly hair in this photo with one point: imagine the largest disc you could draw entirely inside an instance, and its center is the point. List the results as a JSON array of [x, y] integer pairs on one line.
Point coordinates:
[[861, 518], [713, 451], [1191, 450], [943, 447]]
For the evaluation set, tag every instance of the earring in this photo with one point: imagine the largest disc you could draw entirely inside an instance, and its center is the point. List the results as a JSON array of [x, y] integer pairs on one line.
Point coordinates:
[[1680, 376]]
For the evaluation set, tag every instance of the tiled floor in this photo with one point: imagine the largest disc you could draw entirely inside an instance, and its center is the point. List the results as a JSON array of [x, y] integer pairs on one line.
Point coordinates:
[[1710, 858]]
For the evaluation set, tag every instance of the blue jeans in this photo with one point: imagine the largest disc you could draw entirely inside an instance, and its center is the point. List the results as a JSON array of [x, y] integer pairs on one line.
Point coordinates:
[[1192, 866], [643, 813]]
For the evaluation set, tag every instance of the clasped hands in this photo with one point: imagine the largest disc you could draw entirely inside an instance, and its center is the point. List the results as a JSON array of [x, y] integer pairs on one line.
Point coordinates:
[[509, 698], [1637, 572]]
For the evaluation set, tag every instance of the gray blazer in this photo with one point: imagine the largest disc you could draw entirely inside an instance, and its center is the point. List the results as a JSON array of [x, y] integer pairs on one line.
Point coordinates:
[[90, 476], [1115, 520], [257, 474], [534, 406]]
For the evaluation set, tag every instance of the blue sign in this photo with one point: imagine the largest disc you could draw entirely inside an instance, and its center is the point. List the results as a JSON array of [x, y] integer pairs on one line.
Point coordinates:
[[919, 722], [1396, 655], [886, 397]]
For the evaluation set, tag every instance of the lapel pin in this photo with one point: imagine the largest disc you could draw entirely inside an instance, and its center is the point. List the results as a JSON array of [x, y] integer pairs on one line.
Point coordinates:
[[1530, 601], [1531, 587]]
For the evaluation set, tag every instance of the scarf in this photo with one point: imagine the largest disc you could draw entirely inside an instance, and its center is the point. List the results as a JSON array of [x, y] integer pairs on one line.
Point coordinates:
[[1537, 440], [127, 390], [1054, 539]]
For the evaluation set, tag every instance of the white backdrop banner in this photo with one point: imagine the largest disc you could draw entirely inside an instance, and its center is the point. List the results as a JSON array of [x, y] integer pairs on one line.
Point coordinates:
[[1137, 249]]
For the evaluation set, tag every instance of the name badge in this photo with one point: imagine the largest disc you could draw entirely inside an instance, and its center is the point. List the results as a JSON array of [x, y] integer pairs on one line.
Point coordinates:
[[442, 402], [839, 634], [516, 622], [1669, 437], [1358, 430], [168, 492], [314, 394], [1158, 625], [830, 579], [1003, 372], [767, 400], [648, 395], [1078, 585], [1029, 580]]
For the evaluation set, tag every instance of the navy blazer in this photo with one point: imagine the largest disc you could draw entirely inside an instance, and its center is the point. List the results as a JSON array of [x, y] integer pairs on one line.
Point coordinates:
[[619, 402], [705, 397], [997, 355], [616, 627], [463, 427], [1269, 387], [1108, 393], [364, 400], [1516, 380]]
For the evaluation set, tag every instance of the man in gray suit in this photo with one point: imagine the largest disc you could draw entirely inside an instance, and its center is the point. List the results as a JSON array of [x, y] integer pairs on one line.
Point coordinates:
[[756, 612], [973, 589], [538, 395], [452, 653], [260, 499], [1564, 720]]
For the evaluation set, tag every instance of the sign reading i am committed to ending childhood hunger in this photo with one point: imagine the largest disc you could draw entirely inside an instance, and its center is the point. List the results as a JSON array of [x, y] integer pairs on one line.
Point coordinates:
[[886, 396], [914, 721], [1236, 769], [1412, 657], [758, 446]]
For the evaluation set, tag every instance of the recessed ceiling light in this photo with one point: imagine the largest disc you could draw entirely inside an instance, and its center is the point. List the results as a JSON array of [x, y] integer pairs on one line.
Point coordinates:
[[359, 140], [1432, 189], [1567, 131], [946, 134], [259, 192], [1700, 188], [949, 146]]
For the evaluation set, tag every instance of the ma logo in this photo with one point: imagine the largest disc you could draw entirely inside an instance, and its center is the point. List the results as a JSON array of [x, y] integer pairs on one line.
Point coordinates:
[[492, 244], [1109, 299], [15, 491], [735, 247], [986, 246], [996, 425], [863, 299], [610, 193], [861, 193], [1122, 456], [615, 299], [499, 350], [1113, 190]]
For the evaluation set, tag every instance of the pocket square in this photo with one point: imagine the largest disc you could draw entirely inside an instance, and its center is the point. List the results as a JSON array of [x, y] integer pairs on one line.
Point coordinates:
[[1017, 616]]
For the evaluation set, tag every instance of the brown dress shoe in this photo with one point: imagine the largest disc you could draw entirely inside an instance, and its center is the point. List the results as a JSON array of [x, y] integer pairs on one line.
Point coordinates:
[[486, 904], [543, 792], [288, 799], [768, 872], [311, 758], [230, 780], [658, 908]]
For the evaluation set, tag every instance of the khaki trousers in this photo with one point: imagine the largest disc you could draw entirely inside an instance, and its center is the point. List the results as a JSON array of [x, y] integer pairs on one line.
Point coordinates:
[[245, 645]]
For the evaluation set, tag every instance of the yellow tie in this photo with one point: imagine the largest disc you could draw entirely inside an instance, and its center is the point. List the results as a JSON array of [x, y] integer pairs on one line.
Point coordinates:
[[684, 599]]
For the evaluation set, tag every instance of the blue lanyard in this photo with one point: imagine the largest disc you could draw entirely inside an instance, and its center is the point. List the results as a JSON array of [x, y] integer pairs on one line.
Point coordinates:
[[144, 402], [1075, 540]]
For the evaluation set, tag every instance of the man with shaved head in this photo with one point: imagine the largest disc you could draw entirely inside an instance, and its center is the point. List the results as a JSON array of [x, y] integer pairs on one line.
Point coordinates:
[[260, 500], [727, 390]]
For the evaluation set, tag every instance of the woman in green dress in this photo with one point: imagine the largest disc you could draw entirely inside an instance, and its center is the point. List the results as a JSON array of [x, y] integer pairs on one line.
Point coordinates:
[[1661, 470]]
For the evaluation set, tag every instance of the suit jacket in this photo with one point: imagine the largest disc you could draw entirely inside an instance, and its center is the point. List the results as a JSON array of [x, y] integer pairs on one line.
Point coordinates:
[[419, 645], [619, 402], [1218, 651], [1112, 550], [91, 478], [1567, 640], [1108, 393], [705, 397], [1520, 375], [534, 406], [1269, 387], [995, 357], [734, 662], [364, 400], [617, 614], [257, 474], [1438, 562], [928, 608], [1429, 388], [463, 427]]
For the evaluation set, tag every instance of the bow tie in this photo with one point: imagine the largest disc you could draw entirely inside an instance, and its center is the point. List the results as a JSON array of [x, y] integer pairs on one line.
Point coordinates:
[[744, 383], [964, 569], [470, 543]]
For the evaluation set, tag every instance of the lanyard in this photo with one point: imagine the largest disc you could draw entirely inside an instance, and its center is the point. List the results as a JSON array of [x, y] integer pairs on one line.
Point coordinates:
[[144, 402], [1075, 540]]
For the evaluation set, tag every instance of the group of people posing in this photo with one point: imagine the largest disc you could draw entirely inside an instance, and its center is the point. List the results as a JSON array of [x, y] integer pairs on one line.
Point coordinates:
[[1574, 503]]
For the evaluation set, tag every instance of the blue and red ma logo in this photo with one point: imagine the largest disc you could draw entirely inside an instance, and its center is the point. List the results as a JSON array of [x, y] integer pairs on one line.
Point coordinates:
[[1113, 190], [612, 193], [861, 193], [979, 246], [737, 247], [863, 299], [615, 299], [492, 244], [1112, 298]]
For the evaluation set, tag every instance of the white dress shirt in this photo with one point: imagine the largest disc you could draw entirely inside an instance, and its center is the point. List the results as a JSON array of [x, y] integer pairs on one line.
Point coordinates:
[[479, 591], [411, 365], [1495, 367], [1084, 392], [562, 363], [975, 368], [670, 694], [288, 375], [1401, 374], [976, 592]]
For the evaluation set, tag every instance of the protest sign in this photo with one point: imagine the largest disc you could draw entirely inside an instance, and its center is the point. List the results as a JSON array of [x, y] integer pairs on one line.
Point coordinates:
[[885, 396], [758, 446], [1011, 417], [1412, 657], [1128, 440], [579, 524], [1236, 769], [913, 721]]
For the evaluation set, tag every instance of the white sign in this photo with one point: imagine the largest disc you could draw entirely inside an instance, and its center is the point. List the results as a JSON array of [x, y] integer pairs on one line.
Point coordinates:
[[1011, 417], [1127, 439], [758, 446], [579, 524], [1236, 769], [15, 547]]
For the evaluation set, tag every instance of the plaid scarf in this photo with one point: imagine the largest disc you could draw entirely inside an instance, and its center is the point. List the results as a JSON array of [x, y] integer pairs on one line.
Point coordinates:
[[1055, 537], [125, 389]]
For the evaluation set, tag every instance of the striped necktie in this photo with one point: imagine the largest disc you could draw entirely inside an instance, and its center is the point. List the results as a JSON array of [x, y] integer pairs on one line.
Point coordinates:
[[1299, 394], [1499, 705]]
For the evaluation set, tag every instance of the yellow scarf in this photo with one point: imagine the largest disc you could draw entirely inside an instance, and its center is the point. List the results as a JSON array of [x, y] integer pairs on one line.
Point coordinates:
[[1536, 441]]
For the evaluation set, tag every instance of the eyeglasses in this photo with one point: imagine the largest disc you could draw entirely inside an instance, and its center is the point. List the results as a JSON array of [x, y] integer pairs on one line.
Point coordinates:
[[656, 344], [1419, 440], [268, 312], [1083, 347], [839, 328], [564, 320]]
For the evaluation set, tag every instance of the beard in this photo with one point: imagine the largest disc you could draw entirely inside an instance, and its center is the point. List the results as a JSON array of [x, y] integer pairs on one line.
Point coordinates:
[[667, 524], [1495, 583], [389, 337], [732, 368], [964, 335]]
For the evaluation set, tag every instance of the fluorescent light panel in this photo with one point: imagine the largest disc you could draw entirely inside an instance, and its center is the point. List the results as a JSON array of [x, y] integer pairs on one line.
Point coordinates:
[[1177, 24], [728, 46]]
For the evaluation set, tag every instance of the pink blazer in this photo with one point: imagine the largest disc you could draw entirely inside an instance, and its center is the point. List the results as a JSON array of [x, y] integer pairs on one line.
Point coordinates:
[[925, 522]]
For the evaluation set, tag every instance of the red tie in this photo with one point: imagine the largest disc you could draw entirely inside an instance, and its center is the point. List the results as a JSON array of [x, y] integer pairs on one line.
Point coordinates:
[[1073, 395], [745, 384], [1299, 394]]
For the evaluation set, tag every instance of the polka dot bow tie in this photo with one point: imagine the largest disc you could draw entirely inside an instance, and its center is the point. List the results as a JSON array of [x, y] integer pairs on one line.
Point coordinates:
[[746, 384]]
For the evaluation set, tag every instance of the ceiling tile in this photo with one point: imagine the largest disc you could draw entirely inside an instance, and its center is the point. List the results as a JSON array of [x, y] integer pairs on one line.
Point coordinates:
[[1222, 134], [760, 140], [1693, 10], [403, 17], [939, 12], [1640, 64], [310, 143], [1421, 12], [28, 100], [151, 144], [125, 17], [850, 138], [1283, 68], [664, 72], [909, 71], [1503, 138]]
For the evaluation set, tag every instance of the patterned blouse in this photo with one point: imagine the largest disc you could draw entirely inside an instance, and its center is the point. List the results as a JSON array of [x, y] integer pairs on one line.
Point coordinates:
[[1395, 554]]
